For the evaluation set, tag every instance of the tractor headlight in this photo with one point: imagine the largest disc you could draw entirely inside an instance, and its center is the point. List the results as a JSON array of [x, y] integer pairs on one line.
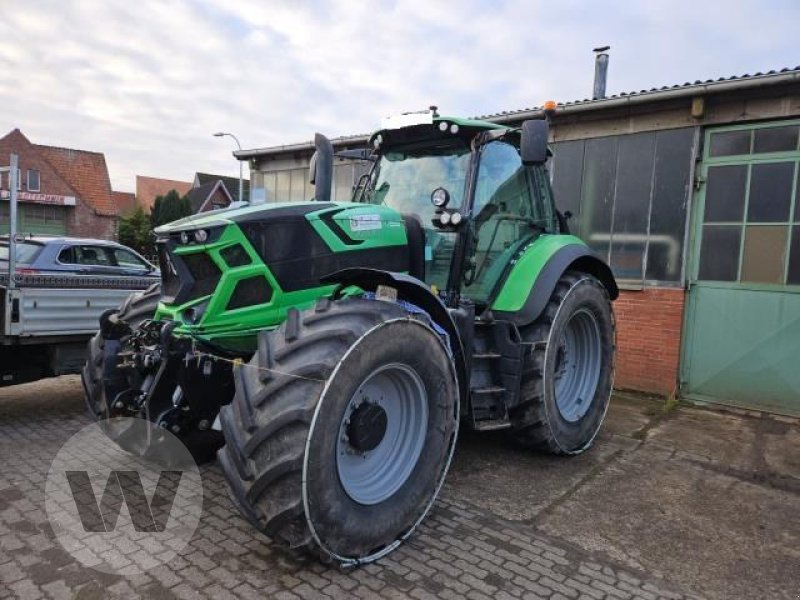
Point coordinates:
[[443, 126], [455, 218], [200, 236], [444, 218], [184, 237], [440, 197]]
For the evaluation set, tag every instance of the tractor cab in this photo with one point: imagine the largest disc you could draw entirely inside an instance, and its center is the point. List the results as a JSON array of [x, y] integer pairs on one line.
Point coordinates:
[[470, 201]]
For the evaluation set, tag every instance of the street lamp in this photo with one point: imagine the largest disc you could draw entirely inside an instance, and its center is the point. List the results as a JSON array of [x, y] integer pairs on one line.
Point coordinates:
[[241, 186]]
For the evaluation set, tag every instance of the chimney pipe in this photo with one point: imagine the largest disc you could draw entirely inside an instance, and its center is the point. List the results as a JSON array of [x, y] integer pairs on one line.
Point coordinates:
[[600, 72]]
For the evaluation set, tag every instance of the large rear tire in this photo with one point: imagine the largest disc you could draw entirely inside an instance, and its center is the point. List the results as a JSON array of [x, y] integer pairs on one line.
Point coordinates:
[[568, 369], [341, 429]]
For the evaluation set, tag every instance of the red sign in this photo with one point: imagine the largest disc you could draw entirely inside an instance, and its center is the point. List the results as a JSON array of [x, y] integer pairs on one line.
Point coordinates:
[[40, 198]]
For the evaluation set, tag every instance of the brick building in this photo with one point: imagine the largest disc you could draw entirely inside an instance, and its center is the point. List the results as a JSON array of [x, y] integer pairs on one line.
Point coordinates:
[[206, 191], [691, 192], [148, 188], [62, 191]]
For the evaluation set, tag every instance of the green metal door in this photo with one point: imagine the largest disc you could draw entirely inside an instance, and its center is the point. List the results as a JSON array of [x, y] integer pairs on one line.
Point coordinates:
[[35, 218], [742, 326]]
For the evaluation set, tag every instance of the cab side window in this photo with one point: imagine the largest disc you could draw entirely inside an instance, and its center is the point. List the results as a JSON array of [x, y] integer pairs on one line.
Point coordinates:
[[503, 214]]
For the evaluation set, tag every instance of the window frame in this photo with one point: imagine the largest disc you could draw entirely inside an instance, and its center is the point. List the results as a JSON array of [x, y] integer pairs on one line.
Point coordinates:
[[38, 187], [749, 160], [113, 252]]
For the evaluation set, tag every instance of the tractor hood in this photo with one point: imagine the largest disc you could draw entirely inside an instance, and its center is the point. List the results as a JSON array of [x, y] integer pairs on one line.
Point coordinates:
[[237, 271]]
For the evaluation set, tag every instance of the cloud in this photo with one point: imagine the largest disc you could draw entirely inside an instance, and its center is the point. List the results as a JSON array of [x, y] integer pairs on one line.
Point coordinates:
[[148, 82]]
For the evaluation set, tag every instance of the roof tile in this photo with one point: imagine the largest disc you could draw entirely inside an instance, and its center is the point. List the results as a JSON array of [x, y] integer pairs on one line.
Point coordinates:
[[86, 172]]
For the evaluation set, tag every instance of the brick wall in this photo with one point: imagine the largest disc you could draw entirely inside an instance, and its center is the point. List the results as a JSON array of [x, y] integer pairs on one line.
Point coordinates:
[[649, 325], [83, 221]]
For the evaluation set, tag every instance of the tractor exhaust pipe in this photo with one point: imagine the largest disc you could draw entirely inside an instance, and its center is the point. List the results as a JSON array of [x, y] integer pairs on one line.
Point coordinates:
[[320, 170], [600, 72]]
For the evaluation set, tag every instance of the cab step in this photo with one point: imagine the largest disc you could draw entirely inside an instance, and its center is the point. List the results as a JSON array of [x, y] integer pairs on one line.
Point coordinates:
[[492, 389], [491, 425]]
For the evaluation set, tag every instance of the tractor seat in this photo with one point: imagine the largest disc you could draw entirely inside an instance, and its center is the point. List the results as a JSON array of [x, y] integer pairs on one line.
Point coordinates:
[[416, 246]]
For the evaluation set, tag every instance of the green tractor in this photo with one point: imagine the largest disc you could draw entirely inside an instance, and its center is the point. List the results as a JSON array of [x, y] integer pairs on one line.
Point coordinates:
[[329, 351]]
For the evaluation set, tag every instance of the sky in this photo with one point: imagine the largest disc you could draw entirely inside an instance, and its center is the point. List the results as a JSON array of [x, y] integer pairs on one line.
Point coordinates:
[[148, 82]]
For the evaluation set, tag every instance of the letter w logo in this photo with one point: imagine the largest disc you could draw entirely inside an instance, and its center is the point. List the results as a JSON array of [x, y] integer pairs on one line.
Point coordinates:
[[123, 486]]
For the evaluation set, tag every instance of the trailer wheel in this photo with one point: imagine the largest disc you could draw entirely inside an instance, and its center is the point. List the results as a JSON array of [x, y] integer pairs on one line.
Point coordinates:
[[568, 368], [341, 429]]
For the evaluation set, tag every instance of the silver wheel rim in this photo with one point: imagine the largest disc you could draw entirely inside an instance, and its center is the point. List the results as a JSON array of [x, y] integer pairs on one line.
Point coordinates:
[[371, 476], [577, 368]]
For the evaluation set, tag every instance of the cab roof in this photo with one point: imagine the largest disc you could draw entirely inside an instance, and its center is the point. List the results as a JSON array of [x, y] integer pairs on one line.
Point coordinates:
[[407, 123]]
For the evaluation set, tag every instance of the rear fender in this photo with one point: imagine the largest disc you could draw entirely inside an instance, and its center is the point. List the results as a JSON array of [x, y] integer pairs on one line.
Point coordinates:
[[416, 292], [569, 257]]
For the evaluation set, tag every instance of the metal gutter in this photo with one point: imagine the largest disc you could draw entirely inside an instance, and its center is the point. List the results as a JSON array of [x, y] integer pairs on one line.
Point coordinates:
[[636, 98], [299, 147]]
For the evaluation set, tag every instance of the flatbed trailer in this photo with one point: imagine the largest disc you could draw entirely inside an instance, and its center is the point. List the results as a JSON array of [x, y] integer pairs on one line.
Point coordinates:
[[46, 321]]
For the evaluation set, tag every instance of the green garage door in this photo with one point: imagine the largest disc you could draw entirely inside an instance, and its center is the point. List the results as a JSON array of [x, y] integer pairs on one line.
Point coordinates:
[[35, 218], [742, 331]]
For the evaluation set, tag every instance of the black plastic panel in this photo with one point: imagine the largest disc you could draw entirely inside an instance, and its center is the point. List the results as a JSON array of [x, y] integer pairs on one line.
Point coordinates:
[[249, 292], [204, 272], [235, 256]]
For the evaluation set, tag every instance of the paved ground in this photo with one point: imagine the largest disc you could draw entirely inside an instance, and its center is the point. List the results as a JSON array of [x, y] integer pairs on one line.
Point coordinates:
[[686, 503]]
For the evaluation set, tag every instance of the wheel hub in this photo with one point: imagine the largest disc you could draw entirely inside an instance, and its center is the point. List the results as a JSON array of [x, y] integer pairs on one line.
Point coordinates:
[[382, 433], [577, 365], [367, 426]]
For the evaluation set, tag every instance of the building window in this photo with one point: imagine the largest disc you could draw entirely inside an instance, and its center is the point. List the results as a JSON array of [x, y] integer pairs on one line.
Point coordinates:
[[628, 196], [33, 180], [750, 226], [19, 180]]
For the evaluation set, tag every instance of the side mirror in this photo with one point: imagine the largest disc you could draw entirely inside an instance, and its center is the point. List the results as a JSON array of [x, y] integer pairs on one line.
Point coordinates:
[[320, 171], [533, 144]]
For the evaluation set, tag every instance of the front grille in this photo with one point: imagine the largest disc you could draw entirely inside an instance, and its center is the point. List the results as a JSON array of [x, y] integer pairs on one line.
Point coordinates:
[[170, 284], [186, 277], [204, 272]]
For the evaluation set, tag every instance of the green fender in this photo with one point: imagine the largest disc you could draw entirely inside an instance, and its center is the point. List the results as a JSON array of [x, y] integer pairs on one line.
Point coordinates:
[[532, 277]]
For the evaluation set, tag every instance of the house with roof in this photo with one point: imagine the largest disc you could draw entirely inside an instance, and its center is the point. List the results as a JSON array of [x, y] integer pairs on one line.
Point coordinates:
[[231, 184], [149, 188], [62, 191], [691, 192], [212, 195], [206, 191]]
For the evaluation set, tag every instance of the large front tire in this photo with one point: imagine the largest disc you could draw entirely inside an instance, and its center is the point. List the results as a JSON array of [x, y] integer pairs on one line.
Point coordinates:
[[341, 429], [568, 369]]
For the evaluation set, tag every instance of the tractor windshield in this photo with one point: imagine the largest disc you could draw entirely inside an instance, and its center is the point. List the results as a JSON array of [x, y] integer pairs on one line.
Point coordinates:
[[403, 179]]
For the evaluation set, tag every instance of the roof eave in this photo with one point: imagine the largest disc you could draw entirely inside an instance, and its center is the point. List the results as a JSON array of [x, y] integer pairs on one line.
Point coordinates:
[[686, 91], [637, 98]]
